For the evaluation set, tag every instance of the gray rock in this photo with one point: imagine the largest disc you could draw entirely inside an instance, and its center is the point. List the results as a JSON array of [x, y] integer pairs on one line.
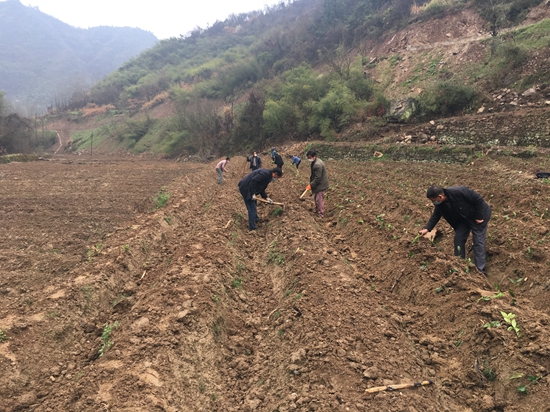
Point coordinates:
[[529, 92], [140, 323], [371, 373], [402, 110]]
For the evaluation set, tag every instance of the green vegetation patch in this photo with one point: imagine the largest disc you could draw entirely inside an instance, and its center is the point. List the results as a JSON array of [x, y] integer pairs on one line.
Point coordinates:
[[535, 36], [18, 158]]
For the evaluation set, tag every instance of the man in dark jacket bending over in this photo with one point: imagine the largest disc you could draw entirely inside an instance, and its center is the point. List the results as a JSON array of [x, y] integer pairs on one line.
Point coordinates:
[[254, 184], [466, 211]]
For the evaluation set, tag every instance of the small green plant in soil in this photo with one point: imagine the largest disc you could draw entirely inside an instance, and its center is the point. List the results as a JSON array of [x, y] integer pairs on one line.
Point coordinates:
[[237, 282], [87, 291], [490, 374], [278, 210], [276, 257], [510, 319], [522, 390], [119, 298], [52, 314], [517, 281], [492, 324], [533, 379], [3, 336], [161, 198], [94, 251], [106, 338], [516, 375], [497, 295], [218, 326]]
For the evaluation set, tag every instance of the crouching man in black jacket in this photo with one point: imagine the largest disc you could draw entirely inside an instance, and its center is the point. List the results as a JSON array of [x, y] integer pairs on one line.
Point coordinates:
[[254, 184], [466, 211]]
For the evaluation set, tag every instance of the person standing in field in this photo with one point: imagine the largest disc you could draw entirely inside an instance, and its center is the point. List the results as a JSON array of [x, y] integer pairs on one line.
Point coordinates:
[[255, 184], [255, 161], [296, 161], [278, 160], [466, 211], [220, 168], [318, 181]]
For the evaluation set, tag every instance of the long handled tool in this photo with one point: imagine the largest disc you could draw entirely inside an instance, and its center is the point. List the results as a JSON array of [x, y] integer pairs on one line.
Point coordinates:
[[245, 164], [303, 194], [398, 386], [265, 201]]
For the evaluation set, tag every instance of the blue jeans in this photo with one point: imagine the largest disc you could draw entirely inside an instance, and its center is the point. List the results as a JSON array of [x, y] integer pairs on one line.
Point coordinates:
[[252, 213], [220, 176]]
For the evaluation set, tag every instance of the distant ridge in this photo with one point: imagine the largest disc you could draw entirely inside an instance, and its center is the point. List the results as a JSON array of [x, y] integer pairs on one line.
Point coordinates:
[[42, 58]]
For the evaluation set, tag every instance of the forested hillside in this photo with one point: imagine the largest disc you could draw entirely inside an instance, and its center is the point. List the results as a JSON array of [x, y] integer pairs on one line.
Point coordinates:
[[43, 61], [309, 69]]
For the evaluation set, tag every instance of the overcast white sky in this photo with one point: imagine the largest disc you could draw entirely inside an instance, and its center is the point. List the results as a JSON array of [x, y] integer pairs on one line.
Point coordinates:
[[164, 18]]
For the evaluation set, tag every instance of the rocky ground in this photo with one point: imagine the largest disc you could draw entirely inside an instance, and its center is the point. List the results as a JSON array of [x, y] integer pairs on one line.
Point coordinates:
[[193, 313]]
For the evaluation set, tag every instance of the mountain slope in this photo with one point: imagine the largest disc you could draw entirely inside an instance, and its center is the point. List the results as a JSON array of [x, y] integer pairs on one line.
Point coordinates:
[[42, 57]]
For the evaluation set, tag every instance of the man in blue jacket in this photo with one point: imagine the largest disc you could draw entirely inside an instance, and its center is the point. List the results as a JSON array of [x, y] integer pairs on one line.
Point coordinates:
[[466, 211], [254, 184]]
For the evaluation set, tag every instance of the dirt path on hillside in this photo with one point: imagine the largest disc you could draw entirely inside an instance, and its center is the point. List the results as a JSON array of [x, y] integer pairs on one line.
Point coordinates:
[[303, 315], [64, 137]]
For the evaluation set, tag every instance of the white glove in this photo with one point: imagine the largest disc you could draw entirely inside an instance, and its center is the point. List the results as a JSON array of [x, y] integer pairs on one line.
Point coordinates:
[[269, 200], [253, 197]]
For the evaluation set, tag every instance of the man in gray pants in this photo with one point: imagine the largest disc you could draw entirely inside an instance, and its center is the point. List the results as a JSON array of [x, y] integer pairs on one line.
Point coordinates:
[[466, 211]]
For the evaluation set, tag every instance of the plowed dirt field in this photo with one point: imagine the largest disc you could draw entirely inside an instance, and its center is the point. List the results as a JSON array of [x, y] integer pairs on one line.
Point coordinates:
[[193, 313]]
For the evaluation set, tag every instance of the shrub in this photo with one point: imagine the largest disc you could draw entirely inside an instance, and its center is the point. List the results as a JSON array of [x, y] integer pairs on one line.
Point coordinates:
[[334, 110], [446, 98], [512, 56], [506, 64], [279, 118], [361, 87], [378, 106]]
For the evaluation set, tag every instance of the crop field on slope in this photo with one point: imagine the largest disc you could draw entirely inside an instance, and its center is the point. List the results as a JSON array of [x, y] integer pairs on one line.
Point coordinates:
[[193, 313]]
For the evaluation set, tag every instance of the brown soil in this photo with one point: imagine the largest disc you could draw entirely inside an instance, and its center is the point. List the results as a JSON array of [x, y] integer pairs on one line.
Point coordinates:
[[304, 315]]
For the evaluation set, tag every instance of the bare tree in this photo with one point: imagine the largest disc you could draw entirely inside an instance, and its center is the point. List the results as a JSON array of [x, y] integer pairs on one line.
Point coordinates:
[[339, 60]]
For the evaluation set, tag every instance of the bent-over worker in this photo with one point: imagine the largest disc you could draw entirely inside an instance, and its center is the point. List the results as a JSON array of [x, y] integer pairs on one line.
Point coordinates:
[[278, 160], [466, 212], [296, 161], [220, 168], [255, 184]]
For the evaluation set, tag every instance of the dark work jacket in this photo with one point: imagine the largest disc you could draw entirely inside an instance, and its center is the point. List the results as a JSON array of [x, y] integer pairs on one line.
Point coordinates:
[[258, 162], [255, 183], [465, 205], [278, 160], [319, 178]]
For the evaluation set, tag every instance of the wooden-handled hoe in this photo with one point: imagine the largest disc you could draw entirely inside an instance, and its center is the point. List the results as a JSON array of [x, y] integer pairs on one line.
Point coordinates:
[[390, 388], [259, 199]]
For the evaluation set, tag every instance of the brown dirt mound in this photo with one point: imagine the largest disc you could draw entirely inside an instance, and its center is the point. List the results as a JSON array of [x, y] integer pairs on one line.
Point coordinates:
[[304, 315]]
